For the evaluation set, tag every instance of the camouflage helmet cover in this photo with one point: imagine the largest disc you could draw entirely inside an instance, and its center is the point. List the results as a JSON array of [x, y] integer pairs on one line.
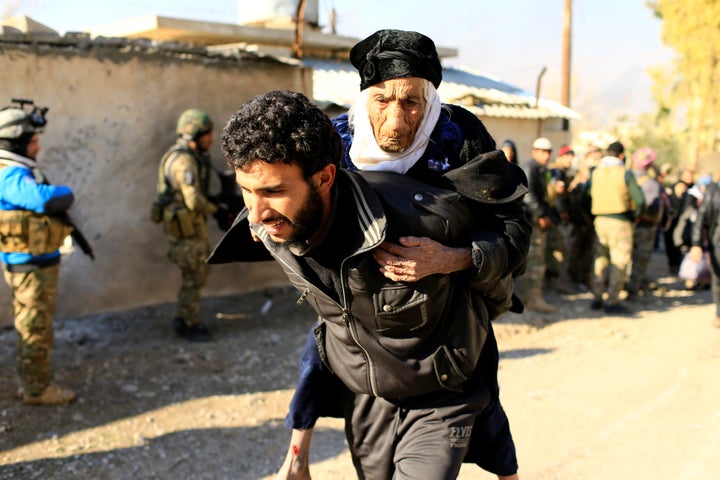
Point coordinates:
[[14, 122], [193, 123]]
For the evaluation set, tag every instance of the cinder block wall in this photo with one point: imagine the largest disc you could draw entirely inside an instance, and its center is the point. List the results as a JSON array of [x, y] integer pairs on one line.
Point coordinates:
[[113, 109]]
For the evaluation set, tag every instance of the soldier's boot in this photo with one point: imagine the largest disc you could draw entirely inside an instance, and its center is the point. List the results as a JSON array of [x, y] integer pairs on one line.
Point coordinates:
[[194, 333], [52, 395], [562, 284], [537, 303]]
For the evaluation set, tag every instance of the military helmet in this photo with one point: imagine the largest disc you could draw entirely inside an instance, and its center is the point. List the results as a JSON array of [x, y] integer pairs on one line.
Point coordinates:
[[193, 123], [14, 122]]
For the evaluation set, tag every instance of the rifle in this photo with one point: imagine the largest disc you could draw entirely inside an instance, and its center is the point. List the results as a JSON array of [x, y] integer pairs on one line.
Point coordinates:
[[229, 201], [76, 234]]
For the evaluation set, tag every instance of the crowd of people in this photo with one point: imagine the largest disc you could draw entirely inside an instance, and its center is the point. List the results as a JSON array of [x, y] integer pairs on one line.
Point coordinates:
[[404, 226], [599, 218]]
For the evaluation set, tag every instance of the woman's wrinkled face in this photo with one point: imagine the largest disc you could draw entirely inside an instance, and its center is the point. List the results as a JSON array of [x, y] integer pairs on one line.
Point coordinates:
[[396, 109]]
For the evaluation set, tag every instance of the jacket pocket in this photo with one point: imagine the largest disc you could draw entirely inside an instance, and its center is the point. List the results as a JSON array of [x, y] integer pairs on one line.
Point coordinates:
[[319, 333], [178, 222], [399, 309], [448, 369]]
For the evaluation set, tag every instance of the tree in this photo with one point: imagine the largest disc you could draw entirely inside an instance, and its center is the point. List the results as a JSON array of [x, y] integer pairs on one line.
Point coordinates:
[[10, 8], [688, 90], [662, 136]]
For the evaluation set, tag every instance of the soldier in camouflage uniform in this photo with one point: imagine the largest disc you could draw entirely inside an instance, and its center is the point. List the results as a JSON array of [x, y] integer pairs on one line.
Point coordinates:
[[30, 237], [529, 286], [183, 184], [556, 249], [582, 233], [616, 202]]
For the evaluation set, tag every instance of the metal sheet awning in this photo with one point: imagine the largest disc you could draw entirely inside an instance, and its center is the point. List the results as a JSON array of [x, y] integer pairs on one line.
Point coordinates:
[[338, 83]]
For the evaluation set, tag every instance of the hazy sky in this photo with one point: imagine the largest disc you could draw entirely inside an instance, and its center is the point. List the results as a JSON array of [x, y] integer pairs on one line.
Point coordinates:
[[614, 41]]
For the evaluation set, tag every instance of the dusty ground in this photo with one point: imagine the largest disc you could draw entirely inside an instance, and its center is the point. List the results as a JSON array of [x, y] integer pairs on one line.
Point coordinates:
[[589, 396]]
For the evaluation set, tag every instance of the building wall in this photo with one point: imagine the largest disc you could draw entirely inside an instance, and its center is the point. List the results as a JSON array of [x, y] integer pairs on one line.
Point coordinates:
[[113, 110], [524, 132]]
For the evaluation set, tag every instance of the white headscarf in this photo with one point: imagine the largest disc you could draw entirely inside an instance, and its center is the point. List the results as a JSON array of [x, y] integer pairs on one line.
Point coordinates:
[[366, 154]]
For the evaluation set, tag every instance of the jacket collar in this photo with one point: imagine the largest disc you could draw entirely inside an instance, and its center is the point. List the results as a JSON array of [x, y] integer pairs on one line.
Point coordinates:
[[237, 245], [9, 159], [19, 160]]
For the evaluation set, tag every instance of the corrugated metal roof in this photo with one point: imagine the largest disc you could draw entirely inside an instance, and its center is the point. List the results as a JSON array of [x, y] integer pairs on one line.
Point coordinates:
[[338, 82]]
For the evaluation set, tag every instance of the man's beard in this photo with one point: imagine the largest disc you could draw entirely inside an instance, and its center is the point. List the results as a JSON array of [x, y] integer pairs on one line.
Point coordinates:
[[307, 222]]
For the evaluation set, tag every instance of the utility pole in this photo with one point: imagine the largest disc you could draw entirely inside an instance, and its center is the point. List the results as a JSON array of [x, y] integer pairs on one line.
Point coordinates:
[[537, 99], [566, 57], [299, 21]]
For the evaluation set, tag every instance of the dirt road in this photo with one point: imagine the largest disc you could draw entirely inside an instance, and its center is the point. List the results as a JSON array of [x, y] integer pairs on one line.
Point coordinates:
[[589, 396]]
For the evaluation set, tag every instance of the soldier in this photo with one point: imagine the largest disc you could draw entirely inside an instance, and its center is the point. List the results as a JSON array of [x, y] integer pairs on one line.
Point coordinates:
[[543, 218], [183, 185], [616, 201], [582, 231], [556, 248], [30, 237]]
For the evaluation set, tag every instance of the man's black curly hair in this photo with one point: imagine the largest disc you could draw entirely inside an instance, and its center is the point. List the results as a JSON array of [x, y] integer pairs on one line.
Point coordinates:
[[281, 126]]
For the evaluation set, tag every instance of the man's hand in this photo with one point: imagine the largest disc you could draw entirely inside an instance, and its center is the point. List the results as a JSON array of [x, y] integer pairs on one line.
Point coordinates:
[[545, 223], [223, 217], [297, 461], [418, 257]]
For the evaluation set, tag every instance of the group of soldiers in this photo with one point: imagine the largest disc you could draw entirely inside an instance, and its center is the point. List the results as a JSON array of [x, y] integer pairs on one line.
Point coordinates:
[[596, 222]]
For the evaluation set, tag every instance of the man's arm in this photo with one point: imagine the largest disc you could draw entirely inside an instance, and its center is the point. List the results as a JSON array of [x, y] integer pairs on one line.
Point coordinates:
[[297, 461], [186, 177]]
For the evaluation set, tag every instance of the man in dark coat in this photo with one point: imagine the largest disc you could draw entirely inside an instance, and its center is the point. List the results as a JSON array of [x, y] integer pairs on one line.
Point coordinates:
[[706, 234], [425, 363], [403, 128]]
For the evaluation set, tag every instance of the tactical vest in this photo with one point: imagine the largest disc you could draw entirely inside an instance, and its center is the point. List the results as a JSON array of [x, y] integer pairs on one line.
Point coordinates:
[[24, 231], [165, 189], [609, 191], [169, 208]]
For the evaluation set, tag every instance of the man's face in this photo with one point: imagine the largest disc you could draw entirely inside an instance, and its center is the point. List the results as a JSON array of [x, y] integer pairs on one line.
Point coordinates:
[[566, 160], [541, 156], [291, 209], [687, 176], [508, 153], [396, 108], [33, 147]]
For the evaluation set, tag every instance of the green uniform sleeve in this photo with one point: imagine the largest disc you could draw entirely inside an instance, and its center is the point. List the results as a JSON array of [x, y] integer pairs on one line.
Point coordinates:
[[185, 174]]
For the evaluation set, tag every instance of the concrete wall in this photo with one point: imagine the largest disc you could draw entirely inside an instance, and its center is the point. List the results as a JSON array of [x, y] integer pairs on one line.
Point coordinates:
[[113, 109], [524, 132]]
